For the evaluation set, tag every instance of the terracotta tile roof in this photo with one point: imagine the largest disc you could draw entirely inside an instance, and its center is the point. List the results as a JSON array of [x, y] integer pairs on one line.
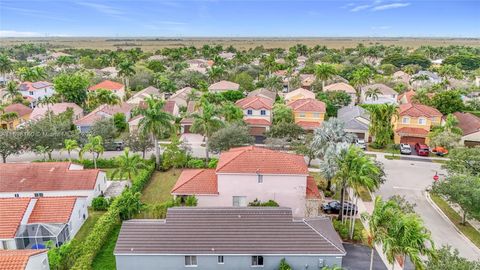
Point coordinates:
[[103, 111], [108, 85], [18, 108], [45, 176], [408, 96], [468, 122], [255, 102], [41, 110], [201, 181], [341, 86], [257, 122], [11, 214], [52, 210], [411, 131], [307, 125], [17, 259], [417, 110], [224, 85], [307, 105], [300, 91], [252, 159], [312, 189], [34, 86]]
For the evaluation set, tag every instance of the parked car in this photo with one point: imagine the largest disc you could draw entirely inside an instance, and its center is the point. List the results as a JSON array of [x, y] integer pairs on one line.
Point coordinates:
[[439, 151], [405, 149], [360, 143], [114, 146], [333, 207], [422, 149]]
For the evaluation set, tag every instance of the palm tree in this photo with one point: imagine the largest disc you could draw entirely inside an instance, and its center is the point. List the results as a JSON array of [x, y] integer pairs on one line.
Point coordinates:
[[31, 74], [11, 91], [125, 70], [155, 122], [94, 146], [105, 96], [128, 164], [324, 72], [164, 83], [206, 123], [215, 73], [6, 65], [373, 93], [360, 78], [69, 146], [231, 112], [381, 127]]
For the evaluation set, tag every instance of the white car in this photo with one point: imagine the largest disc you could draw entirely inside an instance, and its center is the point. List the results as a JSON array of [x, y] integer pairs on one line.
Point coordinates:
[[405, 149], [361, 144]]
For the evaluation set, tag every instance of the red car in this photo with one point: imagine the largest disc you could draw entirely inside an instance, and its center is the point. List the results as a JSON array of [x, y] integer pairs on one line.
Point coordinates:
[[422, 149]]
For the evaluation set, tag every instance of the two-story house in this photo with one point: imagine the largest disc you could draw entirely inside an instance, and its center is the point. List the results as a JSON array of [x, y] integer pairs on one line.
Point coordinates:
[[244, 174], [35, 91], [470, 126], [414, 122], [356, 120], [309, 113], [117, 88], [14, 115], [300, 93], [217, 238], [378, 93], [257, 114], [342, 87]]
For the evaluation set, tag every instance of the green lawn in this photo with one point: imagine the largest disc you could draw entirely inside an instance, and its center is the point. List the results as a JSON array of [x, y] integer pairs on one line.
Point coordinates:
[[467, 229], [391, 157], [364, 194], [86, 228], [159, 187], [105, 260]]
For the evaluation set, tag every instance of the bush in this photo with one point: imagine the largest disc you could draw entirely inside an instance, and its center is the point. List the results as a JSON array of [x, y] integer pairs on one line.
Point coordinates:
[[284, 265], [212, 164], [269, 203], [196, 163], [102, 163], [191, 201], [343, 230], [100, 204], [141, 179]]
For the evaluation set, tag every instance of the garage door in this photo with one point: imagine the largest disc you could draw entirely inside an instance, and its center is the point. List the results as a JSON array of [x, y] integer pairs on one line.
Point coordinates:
[[360, 136], [412, 140], [471, 143], [257, 131]]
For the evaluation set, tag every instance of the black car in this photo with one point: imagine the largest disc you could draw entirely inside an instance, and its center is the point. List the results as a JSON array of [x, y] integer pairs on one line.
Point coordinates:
[[333, 207]]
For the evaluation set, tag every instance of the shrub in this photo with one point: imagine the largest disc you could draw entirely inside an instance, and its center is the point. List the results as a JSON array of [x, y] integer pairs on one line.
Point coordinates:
[[212, 164], [343, 230], [284, 265], [195, 163], [191, 201], [101, 163], [100, 204], [269, 203]]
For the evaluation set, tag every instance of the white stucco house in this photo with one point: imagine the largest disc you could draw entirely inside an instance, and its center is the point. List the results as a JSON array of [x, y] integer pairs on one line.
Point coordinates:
[[250, 173], [27, 259], [383, 94], [257, 114], [35, 91]]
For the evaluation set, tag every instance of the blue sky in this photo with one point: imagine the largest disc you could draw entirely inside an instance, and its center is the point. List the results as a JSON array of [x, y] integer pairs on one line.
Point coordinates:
[[184, 18]]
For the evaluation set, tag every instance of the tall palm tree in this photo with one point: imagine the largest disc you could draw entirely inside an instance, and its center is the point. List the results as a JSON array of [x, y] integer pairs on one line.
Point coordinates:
[[31, 74], [215, 73], [6, 65], [155, 122], [381, 127], [206, 123], [11, 91], [126, 70], [360, 78], [128, 164], [69, 146], [104, 96], [93, 146], [324, 72], [373, 93]]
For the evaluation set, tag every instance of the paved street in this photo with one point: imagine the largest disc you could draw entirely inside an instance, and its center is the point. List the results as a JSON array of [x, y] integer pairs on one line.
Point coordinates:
[[410, 179]]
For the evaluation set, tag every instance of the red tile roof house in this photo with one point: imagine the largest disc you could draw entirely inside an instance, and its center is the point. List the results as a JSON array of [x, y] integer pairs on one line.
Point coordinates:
[[309, 113], [34, 91], [217, 238], [223, 86], [27, 223], [169, 107], [50, 179], [257, 114], [470, 125], [28, 259], [41, 110], [117, 88], [247, 173], [103, 111]]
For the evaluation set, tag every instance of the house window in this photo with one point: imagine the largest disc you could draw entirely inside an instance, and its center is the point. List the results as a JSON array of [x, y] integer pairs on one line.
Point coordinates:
[[260, 178], [38, 194], [239, 201], [263, 112], [16, 195], [422, 121], [220, 260], [405, 120], [31, 93], [190, 261], [316, 115], [302, 114], [249, 112], [257, 260]]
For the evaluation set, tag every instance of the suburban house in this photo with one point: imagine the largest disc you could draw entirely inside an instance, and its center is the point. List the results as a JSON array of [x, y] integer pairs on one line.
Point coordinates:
[[470, 125], [406, 97], [148, 92], [169, 107], [307, 80], [414, 122], [309, 113], [402, 77], [262, 92], [109, 72], [103, 111], [34, 91], [424, 79], [27, 223], [27, 259], [22, 115], [182, 96], [385, 95], [223, 86], [51, 179], [57, 108], [227, 55], [300, 93], [356, 120], [228, 238], [257, 114], [117, 88], [341, 86], [245, 174], [187, 122]]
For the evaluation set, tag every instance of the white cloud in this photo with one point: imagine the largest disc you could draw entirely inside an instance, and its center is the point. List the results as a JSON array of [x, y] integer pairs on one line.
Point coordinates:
[[103, 8], [359, 8], [390, 6], [13, 33]]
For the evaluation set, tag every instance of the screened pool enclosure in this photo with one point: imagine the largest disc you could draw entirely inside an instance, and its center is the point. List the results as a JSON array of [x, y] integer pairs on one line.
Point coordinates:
[[36, 236]]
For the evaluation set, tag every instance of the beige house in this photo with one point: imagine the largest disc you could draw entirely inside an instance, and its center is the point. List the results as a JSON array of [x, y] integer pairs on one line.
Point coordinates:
[[470, 125], [300, 93], [223, 86], [341, 86]]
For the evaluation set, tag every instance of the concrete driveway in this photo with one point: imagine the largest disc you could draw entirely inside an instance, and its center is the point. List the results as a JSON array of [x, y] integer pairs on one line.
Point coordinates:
[[410, 178]]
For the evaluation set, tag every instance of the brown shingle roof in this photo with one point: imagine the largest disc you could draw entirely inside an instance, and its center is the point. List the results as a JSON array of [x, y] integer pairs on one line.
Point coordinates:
[[252, 159], [198, 181], [467, 122], [11, 214], [17, 259], [45, 176], [241, 230], [52, 210]]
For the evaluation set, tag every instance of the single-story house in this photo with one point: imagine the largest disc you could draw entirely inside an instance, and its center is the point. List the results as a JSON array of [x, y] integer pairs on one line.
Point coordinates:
[[470, 125], [342, 86], [228, 238], [300, 93], [27, 259], [356, 120], [22, 115], [223, 86], [182, 96], [57, 108], [103, 111], [141, 95], [385, 95]]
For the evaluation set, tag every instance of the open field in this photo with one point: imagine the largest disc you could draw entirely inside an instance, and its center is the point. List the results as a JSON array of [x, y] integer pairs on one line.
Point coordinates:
[[152, 44]]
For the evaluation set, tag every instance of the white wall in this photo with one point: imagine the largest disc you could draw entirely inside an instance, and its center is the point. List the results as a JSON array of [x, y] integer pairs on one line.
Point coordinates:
[[471, 137], [9, 243], [38, 262], [77, 218]]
